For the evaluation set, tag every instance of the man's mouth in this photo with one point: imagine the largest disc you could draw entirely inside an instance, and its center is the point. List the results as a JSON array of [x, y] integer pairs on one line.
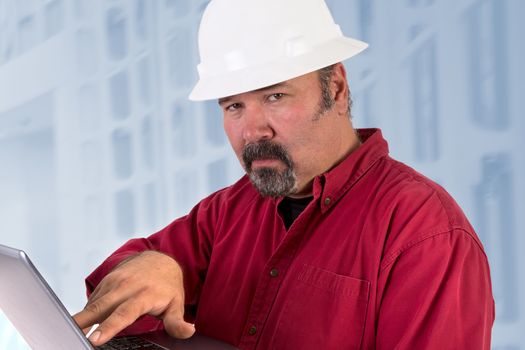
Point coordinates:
[[257, 163], [266, 155], [266, 163]]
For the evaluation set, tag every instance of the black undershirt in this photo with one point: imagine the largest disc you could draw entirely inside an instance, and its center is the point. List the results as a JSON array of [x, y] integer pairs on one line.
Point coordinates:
[[291, 208]]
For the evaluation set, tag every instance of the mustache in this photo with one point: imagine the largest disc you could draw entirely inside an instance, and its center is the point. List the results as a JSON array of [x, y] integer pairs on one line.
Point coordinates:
[[265, 150]]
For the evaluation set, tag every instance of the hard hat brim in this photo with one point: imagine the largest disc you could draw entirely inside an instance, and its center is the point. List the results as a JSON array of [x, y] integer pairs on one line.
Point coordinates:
[[253, 78]]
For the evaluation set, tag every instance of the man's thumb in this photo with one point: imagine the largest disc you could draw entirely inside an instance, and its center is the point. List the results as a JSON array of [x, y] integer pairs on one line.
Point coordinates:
[[176, 327]]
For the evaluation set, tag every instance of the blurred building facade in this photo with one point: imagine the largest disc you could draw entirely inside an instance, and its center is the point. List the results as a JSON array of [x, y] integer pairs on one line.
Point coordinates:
[[99, 144]]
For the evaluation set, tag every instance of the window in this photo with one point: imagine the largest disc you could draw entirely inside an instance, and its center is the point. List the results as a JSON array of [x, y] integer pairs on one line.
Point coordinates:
[[86, 57], [420, 3], [213, 122], [185, 190], [177, 9], [183, 129], [89, 109], [125, 212], [141, 19], [217, 175], [144, 80], [486, 62], [368, 99], [495, 226], [54, 13], [94, 217], [180, 66], [151, 209], [147, 142], [92, 173], [366, 19], [27, 35], [8, 30], [425, 103], [122, 153], [119, 94], [116, 33], [83, 8]]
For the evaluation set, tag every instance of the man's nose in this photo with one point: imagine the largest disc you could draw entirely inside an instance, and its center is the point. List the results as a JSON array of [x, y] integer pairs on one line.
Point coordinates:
[[256, 125]]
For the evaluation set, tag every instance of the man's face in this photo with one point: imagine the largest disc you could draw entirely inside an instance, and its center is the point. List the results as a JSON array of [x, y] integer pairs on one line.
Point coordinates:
[[282, 135]]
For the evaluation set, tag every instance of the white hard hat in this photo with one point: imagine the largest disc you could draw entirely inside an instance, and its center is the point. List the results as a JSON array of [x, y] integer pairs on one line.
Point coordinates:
[[246, 45]]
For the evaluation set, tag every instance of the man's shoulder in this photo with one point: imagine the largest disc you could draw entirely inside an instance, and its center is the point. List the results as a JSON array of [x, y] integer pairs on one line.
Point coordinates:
[[406, 185], [240, 193], [410, 198], [419, 207]]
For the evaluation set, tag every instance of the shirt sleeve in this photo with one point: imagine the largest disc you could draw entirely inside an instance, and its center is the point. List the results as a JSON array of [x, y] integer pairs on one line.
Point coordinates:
[[188, 240], [436, 294]]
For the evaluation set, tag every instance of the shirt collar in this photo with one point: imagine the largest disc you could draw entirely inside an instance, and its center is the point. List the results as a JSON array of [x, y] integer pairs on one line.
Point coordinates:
[[332, 185]]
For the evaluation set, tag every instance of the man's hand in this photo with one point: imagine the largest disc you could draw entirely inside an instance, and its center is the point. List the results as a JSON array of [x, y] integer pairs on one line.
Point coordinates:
[[148, 283]]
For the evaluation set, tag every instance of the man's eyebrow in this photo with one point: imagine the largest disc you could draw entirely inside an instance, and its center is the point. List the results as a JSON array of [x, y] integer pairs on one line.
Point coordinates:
[[270, 87], [224, 100]]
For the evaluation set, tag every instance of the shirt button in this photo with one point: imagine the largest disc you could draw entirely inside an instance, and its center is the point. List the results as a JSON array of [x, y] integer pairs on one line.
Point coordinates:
[[252, 330], [274, 272], [327, 201]]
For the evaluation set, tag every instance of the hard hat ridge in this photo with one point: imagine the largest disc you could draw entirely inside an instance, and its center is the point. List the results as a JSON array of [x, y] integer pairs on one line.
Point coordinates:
[[249, 44]]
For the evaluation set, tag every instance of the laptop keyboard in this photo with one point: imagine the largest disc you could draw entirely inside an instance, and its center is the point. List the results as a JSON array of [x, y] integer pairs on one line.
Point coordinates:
[[129, 343]]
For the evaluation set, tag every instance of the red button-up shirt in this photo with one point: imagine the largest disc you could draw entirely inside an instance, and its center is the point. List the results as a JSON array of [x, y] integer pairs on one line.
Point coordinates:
[[382, 258]]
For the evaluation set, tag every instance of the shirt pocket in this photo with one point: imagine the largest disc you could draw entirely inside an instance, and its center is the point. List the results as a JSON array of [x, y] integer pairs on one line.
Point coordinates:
[[324, 310]]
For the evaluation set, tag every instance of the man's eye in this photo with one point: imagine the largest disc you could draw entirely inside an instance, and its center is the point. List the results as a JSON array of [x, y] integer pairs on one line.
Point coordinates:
[[275, 97], [233, 107]]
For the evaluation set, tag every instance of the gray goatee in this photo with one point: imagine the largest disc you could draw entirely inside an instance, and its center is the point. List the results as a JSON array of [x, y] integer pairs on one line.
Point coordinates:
[[270, 182]]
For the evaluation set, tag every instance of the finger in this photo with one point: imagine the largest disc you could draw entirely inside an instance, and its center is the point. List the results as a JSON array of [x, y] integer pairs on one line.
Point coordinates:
[[87, 329], [96, 311], [83, 321], [88, 316], [121, 317], [98, 292], [109, 284], [180, 329], [174, 323], [91, 330]]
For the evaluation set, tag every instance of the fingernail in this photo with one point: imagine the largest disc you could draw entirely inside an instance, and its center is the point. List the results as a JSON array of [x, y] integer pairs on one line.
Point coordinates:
[[94, 337], [92, 329]]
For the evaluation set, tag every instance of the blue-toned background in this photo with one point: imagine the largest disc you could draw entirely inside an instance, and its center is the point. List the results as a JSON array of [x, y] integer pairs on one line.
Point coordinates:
[[98, 142]]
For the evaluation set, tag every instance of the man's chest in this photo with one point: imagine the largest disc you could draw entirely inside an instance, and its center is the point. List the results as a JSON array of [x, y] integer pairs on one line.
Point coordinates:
[[277, 289]]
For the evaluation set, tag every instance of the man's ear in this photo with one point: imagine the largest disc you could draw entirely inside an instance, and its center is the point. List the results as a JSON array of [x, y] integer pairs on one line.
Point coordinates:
[[339, 88]]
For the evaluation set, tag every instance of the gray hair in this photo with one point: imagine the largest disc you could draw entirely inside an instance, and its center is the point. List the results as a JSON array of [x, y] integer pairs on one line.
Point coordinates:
[[327, 101]]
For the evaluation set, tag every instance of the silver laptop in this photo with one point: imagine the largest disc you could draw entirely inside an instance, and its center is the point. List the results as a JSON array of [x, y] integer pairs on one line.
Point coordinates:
[[43, 321]]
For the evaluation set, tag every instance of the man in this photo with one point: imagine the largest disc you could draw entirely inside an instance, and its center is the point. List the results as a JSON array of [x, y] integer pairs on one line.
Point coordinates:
[[327, 243]]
